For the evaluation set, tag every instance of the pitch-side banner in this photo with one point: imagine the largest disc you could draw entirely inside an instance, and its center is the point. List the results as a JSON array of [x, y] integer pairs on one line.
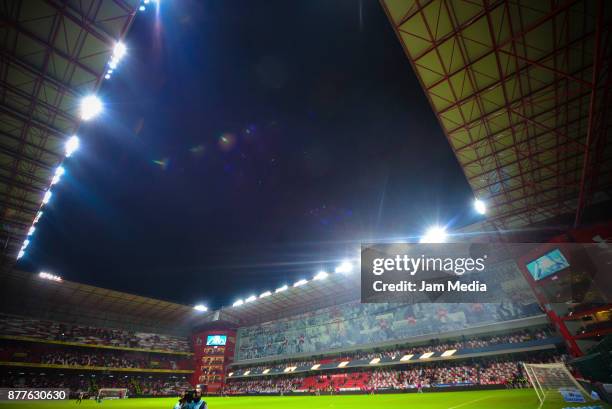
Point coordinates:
[[484, 273]]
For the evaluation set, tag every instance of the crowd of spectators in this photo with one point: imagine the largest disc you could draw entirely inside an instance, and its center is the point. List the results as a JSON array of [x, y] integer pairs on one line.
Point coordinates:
[[57, 331], [137, 385], [13, 351], [435, 346], [354, 324], [488, 371]]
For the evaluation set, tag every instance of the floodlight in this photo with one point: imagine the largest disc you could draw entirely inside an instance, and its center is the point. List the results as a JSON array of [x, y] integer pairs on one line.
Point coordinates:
[[25, 244], [265, 294], [321, 275], [47, 197], [281, 289], [238, 303], [21, 254], [58, 175], [142, 8], [38, 216], [200, 308], [230, 374], [71, 145], [119, 51], [246, 373], [50, 277], [480, 206], [265, 371], [31, 231], [91, 106], [251, 298], [345, 267], [435, 234], [300, 283], [107, 76]]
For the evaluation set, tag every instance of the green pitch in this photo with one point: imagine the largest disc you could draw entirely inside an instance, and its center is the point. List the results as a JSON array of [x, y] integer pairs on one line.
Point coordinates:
[[499, 399]]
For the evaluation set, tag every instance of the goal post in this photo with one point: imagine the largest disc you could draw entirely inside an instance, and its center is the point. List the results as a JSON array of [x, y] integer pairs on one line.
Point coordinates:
[[112, 393], [555, 383]]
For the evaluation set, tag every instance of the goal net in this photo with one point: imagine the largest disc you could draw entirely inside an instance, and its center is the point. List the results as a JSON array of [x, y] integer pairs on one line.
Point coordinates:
[[554, 383], [112, 393]]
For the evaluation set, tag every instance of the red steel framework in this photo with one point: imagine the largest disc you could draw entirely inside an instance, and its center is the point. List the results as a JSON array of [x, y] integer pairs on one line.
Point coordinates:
[[52, 53], [521, 89]]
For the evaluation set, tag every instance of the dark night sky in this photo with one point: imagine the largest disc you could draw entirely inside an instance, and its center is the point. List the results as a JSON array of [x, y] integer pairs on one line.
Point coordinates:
[[285, 132]]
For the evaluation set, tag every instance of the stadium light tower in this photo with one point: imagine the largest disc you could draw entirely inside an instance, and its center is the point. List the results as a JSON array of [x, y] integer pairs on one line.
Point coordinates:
[[435, 234], [480, 206], [91, 107]]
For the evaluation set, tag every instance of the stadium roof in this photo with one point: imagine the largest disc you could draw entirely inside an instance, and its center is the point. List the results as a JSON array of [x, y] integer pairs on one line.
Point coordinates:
[[52, 53], [336, 289], [28, 294], [521, 90]]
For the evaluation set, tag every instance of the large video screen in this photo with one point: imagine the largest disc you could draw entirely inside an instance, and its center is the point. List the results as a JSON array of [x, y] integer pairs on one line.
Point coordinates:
[[548, 264], [216, 340]]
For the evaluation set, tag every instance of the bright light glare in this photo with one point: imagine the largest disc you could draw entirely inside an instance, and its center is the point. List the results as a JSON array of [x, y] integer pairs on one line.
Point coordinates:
[[300, 283], [91, 106], [251, 298], [59, 172], [51, 277], [31, 231], [38, 216], [25, 244], [200, 307], [21, 254], [265, 294], [345, 267], [321, 275], [119, 51], [72, 145], [480, 206], [238, 303], [47, 197], [281, 289], [434, 234]]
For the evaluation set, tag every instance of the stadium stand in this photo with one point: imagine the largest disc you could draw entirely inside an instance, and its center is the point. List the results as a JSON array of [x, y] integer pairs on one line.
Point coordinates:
[[357, 324], [137, 385], [501, 371], [16, 326]]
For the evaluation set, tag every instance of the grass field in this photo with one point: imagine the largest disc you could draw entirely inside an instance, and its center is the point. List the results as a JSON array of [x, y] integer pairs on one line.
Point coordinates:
[[501, 399]]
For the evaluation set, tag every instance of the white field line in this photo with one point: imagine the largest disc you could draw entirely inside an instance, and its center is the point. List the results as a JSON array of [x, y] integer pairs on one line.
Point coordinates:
[[472, 401]]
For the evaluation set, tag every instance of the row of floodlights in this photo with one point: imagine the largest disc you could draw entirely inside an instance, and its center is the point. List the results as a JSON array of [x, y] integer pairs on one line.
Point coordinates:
[[374, 361], [435, 234], [90, 107], [344, 268], [50, 277], [145, 3]]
